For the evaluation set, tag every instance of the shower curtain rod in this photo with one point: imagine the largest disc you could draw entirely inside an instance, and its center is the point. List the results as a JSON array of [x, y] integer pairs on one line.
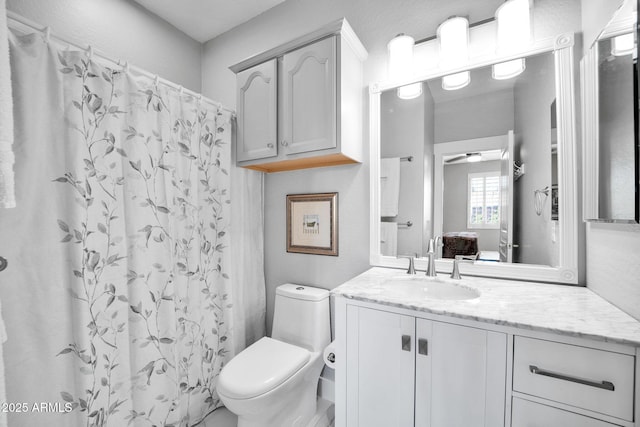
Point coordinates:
[[24, 25]]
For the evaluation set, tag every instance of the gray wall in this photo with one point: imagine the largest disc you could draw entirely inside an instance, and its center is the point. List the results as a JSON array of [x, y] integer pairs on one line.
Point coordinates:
[[376, 22], [533, 96], [474, 117], [402, 133], [455, 201], [122, 30]]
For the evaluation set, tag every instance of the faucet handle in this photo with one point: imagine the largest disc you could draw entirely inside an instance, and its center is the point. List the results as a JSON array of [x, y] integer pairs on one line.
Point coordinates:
[[411, 258], [455, 272], [431, 246]]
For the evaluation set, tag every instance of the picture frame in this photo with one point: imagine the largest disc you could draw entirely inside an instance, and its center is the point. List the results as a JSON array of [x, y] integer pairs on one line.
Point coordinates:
[[312, 223]]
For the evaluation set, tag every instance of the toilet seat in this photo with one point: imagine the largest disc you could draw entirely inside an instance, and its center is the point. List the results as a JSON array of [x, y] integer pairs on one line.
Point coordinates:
[[260, 368]]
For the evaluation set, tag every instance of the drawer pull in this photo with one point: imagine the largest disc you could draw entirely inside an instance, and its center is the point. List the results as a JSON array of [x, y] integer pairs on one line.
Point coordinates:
[[406, 342], [423, 347], [606, 385]]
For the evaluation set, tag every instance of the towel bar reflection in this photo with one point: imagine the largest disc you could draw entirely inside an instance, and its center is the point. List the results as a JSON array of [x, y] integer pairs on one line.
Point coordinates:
[[3, 263], [405, 224], [406, 159]]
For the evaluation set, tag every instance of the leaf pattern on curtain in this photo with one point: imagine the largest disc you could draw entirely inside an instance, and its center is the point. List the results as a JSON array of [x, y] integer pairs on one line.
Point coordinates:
[[146, 239]]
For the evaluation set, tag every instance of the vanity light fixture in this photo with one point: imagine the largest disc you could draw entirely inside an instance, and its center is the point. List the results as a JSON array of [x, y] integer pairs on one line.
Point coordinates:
[[401, 65], [623, 45], [453, 35], [514, 33], [474, 157]]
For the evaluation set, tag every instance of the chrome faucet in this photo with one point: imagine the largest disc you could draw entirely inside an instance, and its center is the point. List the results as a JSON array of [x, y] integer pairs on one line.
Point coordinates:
[[455, 272], [431, 255], [412, 268]]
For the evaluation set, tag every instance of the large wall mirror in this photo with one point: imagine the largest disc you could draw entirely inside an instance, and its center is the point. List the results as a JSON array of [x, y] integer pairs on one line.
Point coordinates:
[[489, 168], [610, 92]]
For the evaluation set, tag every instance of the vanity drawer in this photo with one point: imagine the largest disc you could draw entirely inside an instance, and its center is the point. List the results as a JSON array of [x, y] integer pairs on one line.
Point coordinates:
[[583, 377], [530, 414]]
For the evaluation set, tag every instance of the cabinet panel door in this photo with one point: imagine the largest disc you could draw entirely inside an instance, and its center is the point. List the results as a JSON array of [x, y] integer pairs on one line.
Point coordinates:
[[380, 373], [257, 109], [309, 110], [466, 369], [530, 414]]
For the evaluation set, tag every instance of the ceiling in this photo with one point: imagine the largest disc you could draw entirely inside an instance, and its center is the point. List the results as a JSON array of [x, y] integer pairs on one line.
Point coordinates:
[[203, 20]]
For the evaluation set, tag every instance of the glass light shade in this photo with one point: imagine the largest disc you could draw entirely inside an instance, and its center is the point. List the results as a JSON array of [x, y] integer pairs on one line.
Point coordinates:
[[514, 26], [456, 81], [507, 70], [623, 45], [400, 57], [453, 35], [410, 91]]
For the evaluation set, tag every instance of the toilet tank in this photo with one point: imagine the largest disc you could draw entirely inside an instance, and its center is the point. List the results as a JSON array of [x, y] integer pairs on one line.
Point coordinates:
[[301, 316]]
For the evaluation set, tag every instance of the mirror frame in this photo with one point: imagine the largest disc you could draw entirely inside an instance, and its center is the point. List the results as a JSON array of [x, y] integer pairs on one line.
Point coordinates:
[[567, 270], [591, 128]]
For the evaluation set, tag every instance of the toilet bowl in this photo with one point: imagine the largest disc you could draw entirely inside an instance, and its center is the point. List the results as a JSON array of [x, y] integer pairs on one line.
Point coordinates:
[[273, 382]]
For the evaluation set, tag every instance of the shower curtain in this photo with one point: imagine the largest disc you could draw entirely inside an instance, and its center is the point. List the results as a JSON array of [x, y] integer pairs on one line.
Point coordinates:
[[118, 300]]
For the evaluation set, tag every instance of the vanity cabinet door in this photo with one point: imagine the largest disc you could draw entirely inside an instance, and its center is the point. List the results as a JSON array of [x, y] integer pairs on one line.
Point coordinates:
[[460, 376], [380, 368], [310, 109], [257, 111]]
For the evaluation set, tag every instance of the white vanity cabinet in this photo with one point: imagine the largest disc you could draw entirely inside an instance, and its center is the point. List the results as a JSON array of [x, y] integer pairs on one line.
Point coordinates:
[[300, 104], [561, 384], [403, 370]]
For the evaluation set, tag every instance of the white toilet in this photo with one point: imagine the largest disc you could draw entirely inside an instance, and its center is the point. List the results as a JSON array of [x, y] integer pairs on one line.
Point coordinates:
[[273, 383]]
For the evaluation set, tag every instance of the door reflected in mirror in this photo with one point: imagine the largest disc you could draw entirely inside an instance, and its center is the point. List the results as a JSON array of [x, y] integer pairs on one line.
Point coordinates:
[[484, 170]]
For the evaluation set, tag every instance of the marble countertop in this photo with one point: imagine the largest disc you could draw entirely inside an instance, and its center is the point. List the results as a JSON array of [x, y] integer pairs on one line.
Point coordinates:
[[567, 310]]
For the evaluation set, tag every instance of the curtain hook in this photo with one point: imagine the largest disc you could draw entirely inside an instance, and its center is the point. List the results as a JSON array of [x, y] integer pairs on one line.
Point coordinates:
[[125, 67], [89, 52], [156, 80], [47, 34], [180, 90]]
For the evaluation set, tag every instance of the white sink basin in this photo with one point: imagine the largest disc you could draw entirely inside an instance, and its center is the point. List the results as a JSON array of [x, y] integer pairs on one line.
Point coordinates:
[[413, 287]]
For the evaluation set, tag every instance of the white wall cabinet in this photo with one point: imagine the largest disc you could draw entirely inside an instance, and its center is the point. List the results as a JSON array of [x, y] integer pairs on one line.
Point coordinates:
[[309, 110], [257, 112], [406, 371], [300, 104]]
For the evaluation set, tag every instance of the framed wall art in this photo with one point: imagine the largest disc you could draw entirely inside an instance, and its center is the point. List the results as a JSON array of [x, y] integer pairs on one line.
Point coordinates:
[[312, 223]]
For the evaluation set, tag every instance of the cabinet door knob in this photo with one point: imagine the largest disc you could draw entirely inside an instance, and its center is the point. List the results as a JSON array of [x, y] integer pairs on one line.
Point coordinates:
[[284, 143], [269, 145]]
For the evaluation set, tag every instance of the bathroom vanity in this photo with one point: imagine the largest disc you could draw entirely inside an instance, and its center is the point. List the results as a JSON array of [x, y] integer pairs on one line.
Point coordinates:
[[423, 351]]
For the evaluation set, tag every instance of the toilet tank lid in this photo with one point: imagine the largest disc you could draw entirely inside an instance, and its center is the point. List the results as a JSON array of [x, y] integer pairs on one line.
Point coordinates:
[[308, 293]]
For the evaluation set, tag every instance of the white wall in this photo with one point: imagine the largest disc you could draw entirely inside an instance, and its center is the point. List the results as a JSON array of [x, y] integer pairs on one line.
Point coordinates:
[[376, 22], [122, 30], [613, 251]]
